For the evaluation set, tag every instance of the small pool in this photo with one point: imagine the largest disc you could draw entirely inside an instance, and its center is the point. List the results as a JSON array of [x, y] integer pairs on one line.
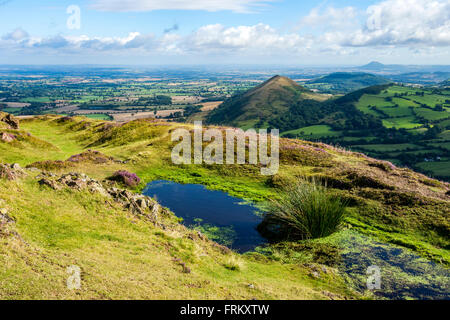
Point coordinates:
[[225, 219]]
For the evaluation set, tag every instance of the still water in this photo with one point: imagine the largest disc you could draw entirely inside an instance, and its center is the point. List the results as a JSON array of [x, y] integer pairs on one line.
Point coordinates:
[[226, 219]]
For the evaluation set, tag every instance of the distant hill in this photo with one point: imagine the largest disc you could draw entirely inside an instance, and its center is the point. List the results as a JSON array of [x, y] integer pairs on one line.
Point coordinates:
[[257, 106], [374, 65], [425, 78], [380, 68], [283, 104], [345, 82]]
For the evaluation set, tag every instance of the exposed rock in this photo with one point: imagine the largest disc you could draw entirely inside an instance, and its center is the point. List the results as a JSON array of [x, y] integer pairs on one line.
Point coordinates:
[[5, 223], [10, 120], [222, 249], [96, 187], [11, 172], [138, 204], [185, 269], [4, 218], [201, 236], [7, 137], [49, 183]]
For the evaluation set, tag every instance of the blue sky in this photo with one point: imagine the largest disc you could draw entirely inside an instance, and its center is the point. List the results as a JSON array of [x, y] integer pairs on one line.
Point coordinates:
[[226, 31]]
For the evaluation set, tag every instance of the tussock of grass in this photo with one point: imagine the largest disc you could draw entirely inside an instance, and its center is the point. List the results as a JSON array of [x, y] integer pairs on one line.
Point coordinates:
[[305, 211], [233, 263]]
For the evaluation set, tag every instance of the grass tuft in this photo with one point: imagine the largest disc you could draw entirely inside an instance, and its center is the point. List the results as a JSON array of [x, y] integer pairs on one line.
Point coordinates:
[[233, 263], [305, 211]]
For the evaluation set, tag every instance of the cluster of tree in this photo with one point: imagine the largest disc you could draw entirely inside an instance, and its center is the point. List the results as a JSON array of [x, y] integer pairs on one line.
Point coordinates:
[[340, 116], [35, 108], [158, 100], [191, 109]]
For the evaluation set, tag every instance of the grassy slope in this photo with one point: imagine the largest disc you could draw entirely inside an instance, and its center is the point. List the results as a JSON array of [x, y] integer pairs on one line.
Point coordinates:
[[124, 257], [121, 259], [274, 96]]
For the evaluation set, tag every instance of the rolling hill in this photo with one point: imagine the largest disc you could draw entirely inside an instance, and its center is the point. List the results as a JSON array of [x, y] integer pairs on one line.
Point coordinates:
[[255, 107], [415, 127], [283, 104], [406, 125], [344, 82]]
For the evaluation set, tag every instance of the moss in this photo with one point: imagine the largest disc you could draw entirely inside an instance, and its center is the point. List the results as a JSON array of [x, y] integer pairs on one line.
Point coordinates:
[[404, 275], [307, 251]]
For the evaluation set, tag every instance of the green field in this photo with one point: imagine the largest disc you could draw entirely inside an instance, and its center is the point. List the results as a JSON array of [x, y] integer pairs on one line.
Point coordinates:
[[98, 116], [440, 168], [388, 147], [413, 110], [314, 131], [403, 122], [431, 114]]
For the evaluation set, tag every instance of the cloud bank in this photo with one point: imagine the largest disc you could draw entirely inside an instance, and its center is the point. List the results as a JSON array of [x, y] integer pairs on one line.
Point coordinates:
[[420, 26]]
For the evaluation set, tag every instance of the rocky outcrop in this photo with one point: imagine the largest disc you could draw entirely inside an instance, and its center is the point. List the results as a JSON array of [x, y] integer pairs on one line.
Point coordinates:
[[138, 204], [11, 171], [6, 222], [10, 120], [7, 137]]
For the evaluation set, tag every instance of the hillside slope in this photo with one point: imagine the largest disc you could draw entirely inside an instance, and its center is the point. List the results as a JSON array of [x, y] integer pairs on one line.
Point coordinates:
[[256, 106], [282, 104], [128, 255]]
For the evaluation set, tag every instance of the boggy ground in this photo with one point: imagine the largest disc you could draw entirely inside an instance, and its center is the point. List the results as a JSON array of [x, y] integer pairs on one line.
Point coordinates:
[[124, 255]]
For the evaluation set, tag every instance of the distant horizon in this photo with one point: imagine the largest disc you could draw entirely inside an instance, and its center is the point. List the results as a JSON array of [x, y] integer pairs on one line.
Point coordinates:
[[219, 65]]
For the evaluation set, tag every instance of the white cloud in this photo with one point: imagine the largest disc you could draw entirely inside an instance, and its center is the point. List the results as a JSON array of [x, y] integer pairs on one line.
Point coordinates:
[[330, 17], [257, 37], [394, 26], [205, 5], [16, 35], [404, 23]]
